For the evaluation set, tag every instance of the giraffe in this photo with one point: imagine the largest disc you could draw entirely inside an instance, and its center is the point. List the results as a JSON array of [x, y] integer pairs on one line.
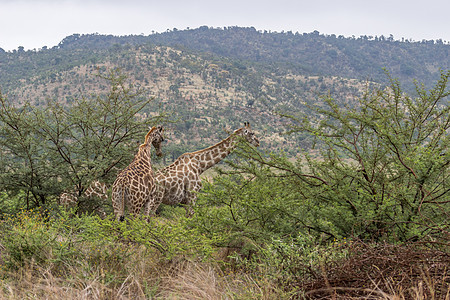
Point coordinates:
[[134, 184], [68, 199], [95, 189], [179, 182]]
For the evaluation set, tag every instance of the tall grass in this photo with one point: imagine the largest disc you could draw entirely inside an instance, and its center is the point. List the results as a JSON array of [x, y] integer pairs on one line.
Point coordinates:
[[71, 257], [88, 258]]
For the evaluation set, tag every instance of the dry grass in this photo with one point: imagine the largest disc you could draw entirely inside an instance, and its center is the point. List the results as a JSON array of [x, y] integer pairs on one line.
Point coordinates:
[[368, 275], [145, 276], [383, 271], [68, 267], [189, 280]]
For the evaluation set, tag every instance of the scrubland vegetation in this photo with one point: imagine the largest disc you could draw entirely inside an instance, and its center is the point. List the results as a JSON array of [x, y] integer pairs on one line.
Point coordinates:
[[84, 257], [353, 202], [367, 217]]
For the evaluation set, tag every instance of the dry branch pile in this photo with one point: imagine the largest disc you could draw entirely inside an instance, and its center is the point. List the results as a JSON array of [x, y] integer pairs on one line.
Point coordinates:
[[383, 271]]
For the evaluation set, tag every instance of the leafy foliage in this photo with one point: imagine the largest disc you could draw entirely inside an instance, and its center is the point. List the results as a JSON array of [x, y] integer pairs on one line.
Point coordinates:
[[381, 173], [386, 162], [30, 235], [50, 149]]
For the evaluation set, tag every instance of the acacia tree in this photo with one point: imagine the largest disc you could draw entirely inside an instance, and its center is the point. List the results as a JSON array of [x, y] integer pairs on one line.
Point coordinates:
[[47, 150], [22, 155], [379, 169], [385, 162]]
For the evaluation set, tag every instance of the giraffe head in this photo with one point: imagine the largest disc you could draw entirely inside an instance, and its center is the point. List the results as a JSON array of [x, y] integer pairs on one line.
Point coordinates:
[[155, 136], [247, 133], [158, 139]]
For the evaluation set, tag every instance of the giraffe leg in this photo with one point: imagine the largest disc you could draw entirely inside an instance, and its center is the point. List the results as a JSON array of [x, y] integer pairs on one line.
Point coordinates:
[[189, 211], [191, 198], [152, 205], [154, 200], [149, 209]]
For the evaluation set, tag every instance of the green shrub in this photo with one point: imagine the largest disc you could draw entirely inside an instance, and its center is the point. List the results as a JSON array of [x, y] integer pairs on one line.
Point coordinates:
[[171, 238], [31, 236], [67, 238]]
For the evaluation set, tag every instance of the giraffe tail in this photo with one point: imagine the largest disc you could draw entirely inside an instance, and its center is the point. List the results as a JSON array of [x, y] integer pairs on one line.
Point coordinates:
[[122, 204]]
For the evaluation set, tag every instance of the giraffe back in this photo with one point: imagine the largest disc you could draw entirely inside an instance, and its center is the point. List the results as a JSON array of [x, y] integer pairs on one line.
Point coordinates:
[[97, 189], [67, 199]]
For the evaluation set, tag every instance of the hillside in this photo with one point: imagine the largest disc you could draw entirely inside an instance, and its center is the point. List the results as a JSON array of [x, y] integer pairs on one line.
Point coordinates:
[[204, 96], [316, 54], [308, 53], [213, 79]]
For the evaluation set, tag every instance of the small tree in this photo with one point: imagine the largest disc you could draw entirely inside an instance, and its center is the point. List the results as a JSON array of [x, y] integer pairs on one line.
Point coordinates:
[[22, 155], [55, 148], [385, 162], [379, 170]]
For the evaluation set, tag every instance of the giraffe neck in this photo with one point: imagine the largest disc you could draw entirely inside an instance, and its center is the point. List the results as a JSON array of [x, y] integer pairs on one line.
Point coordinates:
[[144, 155], [206, 158]]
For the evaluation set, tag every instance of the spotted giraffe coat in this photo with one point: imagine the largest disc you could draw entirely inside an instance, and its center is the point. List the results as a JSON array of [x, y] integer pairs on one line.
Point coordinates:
[[95, 189]]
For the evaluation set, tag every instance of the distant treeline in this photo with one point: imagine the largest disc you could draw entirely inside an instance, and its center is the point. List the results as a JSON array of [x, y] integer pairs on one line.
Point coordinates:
[[363, 57]]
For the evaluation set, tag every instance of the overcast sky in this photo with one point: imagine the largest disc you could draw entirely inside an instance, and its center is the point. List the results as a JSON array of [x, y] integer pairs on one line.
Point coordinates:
[[37, 23]]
